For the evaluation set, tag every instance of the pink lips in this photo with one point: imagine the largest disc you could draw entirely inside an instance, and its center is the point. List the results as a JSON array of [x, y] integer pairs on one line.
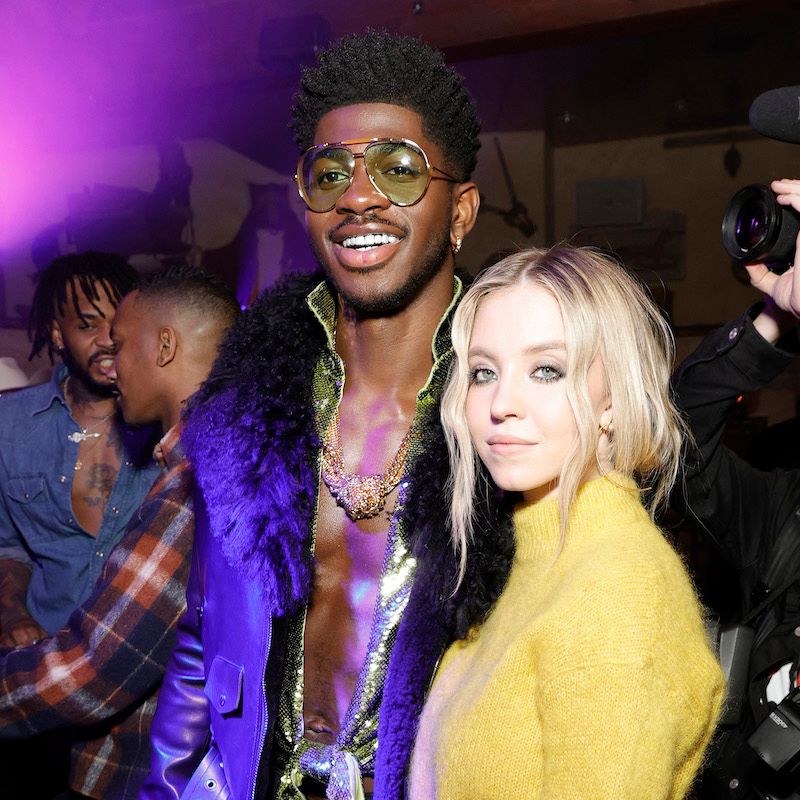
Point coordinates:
[[105, 370], [509, 445], [369, 256], [507, 440], [362, 259]]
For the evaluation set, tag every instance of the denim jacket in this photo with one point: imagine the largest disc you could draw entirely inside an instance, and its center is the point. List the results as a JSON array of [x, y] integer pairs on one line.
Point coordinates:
[[37, 524]]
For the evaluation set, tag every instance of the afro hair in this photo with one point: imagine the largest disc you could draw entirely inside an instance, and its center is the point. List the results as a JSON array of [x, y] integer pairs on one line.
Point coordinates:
[[379, 67]]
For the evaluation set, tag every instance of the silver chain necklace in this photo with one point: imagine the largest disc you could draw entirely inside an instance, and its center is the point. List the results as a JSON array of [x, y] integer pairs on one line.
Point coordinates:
[[84, 433]]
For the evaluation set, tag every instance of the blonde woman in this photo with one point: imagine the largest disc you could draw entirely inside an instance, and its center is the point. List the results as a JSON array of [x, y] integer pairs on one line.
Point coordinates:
[[591, 678]]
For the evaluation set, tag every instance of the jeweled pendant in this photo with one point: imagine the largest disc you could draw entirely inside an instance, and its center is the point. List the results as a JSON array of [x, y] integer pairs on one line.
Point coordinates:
[[361, 498], [82, 436]]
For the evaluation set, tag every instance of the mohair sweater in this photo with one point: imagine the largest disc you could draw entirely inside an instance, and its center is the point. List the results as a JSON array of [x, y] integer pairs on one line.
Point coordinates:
[[591, 678]]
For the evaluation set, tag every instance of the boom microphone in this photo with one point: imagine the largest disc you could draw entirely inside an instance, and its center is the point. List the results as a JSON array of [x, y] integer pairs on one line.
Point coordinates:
[[776, 114]]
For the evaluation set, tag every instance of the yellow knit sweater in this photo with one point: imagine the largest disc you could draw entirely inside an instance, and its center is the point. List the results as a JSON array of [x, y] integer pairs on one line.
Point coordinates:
[[591, 679]]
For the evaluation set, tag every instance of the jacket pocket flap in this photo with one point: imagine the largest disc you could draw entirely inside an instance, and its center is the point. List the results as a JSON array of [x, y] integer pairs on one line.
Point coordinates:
[[25, 488], [224, 685]]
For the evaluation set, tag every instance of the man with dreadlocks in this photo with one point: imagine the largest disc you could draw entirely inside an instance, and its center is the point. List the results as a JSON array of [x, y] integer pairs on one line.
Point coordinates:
[[97, 678], [71, 473], [321, 592]]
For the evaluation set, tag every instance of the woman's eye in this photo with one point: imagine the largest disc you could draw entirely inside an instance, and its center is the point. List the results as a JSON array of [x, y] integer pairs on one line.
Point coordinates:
[[481, 375], [547, 373]]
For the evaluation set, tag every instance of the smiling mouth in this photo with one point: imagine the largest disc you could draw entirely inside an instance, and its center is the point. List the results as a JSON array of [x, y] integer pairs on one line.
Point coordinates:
[[368, 241]]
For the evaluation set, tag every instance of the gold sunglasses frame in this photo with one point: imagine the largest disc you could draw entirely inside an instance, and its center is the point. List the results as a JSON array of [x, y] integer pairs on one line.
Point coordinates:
[[301, 189]]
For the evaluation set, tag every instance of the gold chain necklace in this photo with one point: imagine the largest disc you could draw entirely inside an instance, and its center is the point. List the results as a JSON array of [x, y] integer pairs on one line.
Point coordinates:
[[361, 496]]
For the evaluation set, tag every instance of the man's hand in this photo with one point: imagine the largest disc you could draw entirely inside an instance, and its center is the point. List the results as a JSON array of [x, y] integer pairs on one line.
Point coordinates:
[[17, 627], [782, 291], [22, 632]]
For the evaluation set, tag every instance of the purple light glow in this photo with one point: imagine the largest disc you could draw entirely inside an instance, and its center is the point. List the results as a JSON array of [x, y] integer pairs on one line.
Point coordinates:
[[88, 89]]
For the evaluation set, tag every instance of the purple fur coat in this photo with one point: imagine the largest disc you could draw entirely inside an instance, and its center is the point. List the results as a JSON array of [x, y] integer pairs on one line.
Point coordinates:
[[251, 435]]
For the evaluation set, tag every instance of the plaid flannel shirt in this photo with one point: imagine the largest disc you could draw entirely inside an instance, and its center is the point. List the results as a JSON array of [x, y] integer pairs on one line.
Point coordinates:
[[105, 667]]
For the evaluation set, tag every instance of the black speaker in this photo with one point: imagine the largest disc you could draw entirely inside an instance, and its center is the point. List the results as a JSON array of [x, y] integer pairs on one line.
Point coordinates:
[[288, 43]]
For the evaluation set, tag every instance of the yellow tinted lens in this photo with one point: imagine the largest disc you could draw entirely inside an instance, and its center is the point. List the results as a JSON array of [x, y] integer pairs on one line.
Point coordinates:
[[326, 174], [398, 170]]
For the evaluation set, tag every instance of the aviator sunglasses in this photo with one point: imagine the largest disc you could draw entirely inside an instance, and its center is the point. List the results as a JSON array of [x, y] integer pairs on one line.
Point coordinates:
[[397, 168]]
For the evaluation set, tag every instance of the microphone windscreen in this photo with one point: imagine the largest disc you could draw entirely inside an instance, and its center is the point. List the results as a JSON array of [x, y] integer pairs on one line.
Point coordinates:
[[776, 114]]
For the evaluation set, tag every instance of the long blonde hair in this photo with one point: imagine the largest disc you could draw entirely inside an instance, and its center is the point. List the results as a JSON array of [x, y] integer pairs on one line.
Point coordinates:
[[607, 314]]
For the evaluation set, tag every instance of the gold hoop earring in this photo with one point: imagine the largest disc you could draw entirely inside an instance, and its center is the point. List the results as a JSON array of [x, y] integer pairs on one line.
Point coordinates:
[[457, 246], [603, 473], [606, 474], [606, 429]]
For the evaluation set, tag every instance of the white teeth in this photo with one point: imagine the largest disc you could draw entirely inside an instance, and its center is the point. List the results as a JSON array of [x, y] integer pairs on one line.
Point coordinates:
[[370, 240]]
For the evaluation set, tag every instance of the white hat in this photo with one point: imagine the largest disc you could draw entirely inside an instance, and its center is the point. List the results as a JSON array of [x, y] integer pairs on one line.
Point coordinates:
[[11, 376]]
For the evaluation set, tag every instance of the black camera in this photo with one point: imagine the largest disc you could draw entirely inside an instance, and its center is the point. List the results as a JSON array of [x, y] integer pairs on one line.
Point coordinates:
[[755, 228], [777, 738]]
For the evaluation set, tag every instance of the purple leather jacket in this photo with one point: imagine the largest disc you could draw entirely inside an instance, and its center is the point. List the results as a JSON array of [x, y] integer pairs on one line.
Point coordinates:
[[211, 689], [252, 438]]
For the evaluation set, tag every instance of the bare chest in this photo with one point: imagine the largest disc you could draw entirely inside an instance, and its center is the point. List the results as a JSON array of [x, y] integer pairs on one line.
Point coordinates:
[[347, 570], [94, 476], [366, 445]]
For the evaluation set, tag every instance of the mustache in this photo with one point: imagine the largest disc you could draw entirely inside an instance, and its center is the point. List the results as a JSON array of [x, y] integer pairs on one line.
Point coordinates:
[[100, 355], [363, 219]]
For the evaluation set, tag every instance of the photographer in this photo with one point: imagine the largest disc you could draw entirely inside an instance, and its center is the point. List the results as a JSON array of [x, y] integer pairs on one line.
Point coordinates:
[[753, 516]]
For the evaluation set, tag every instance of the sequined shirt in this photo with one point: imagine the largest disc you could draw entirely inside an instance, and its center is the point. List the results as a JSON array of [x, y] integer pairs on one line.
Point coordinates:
[[296, 757]]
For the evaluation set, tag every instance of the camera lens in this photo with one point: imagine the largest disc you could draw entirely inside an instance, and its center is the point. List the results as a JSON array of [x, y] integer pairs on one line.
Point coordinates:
[[751, 224], [756, 228]]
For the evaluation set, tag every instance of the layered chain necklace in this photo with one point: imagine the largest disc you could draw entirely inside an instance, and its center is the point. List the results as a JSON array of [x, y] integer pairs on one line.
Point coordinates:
[[78, 437], [361, 496], [88, 433], [85, 433]]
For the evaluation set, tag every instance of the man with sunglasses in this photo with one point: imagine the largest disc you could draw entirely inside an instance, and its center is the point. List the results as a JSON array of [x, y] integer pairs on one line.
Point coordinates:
[[321, 595]]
